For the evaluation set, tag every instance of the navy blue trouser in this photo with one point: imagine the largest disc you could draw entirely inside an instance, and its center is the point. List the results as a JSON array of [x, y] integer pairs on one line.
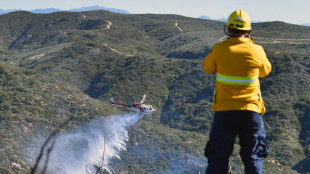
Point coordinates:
[[226, 126]]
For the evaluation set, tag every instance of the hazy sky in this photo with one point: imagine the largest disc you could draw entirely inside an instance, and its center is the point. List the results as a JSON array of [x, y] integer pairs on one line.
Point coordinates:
[[291, 11]]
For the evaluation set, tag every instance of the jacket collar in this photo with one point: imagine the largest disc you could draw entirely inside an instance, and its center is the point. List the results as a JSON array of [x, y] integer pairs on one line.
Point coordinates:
[[239, 40]]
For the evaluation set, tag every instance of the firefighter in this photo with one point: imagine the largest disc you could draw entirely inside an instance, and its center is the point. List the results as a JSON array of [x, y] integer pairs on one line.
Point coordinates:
[[238, 106]]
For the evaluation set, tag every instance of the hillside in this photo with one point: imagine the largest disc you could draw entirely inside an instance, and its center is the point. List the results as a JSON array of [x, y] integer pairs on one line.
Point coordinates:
[[69, 64]]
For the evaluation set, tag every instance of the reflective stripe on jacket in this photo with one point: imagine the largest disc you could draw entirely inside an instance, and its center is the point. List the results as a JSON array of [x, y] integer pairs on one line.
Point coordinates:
[[238, 63]]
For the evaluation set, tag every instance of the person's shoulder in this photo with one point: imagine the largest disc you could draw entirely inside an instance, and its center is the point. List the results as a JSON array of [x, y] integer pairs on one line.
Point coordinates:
[[220, 44], [258, 49], [257, 46]]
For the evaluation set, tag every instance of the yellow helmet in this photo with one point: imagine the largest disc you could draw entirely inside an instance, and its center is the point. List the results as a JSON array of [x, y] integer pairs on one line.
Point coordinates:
[[239, 20]]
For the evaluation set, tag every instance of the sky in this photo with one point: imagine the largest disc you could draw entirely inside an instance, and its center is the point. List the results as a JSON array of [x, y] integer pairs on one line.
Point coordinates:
[[290, 11]]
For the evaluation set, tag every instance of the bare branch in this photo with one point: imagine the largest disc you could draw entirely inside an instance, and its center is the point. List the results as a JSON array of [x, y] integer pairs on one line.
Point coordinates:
[[49, 150], [106, 138], [61, 168], [45, 144]]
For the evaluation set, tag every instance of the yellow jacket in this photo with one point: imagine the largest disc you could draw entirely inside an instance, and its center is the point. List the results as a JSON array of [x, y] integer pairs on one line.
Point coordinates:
[[238, 63]]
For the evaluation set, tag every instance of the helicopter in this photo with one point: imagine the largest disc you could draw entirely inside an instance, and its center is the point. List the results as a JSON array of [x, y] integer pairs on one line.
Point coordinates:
[[140, 108]]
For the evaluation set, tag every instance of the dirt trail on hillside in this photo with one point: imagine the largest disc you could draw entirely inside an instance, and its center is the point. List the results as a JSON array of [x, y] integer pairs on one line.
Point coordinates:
[[109, 25], [280, 40], [83, 15], [275, 40], [112, 49], [120, 52], [176, 24]]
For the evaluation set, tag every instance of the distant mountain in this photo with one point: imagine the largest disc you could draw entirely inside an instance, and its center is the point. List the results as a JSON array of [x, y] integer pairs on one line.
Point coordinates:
[[208, 18], [46, 10], [7, 11], [96, 7], [222, 19], [52, 10]]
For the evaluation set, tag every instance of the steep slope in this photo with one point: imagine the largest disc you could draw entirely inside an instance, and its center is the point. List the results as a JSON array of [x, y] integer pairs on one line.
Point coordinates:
[[31, 106], [96, 55]]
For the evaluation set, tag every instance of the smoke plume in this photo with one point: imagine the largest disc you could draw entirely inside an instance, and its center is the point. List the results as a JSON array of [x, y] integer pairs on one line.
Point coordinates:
[[91, 147]]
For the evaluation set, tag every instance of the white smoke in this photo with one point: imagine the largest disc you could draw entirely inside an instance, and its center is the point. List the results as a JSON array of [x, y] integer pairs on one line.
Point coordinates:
[[94, 145]]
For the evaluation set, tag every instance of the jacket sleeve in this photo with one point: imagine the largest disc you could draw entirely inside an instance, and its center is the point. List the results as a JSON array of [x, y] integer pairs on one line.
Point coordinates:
[[265, 67], [209, 63]]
